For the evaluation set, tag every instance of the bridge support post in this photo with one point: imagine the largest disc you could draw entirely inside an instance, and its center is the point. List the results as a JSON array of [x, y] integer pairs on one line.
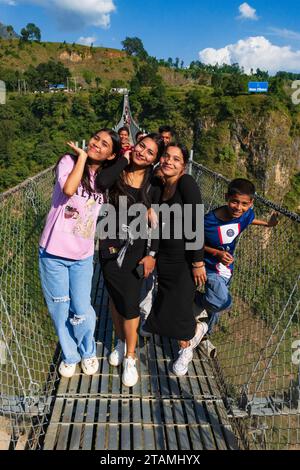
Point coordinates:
[[190, 164]]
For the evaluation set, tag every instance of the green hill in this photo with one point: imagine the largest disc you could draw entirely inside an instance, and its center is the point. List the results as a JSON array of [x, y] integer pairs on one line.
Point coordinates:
[[84, 62]]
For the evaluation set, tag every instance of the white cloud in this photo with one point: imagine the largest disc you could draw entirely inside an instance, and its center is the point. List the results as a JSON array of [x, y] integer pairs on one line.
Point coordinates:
[[247, 12], [86, 41], [90, 12], [93, 12], [254, 52], [285, 33]]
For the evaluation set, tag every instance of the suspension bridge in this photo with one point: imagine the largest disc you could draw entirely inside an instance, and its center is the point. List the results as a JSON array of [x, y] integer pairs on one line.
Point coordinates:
[[247, 397]]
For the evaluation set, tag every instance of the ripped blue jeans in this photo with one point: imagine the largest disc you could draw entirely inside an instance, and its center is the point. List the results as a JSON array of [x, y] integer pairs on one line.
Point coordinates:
[[66, 286]]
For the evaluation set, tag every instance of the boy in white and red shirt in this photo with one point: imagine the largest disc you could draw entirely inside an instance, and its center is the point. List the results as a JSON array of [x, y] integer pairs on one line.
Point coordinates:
[[222, 228]]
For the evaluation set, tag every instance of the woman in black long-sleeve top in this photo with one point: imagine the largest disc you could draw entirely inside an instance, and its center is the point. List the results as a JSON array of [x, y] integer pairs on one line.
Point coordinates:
[[137, 184], [179, 270]]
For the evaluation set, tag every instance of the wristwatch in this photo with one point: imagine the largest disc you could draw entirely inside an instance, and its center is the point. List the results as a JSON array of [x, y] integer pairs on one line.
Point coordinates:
[[152, 253]]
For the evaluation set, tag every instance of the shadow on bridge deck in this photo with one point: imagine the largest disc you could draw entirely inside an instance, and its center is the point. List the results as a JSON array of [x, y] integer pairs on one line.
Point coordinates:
[[160, 412]]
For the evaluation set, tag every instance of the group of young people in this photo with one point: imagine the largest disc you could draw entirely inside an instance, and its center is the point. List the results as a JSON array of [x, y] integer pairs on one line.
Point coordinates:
[[152, 173]]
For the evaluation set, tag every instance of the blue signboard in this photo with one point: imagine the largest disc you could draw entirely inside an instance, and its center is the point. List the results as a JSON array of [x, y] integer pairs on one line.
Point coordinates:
[[258, 87], [59, 86]]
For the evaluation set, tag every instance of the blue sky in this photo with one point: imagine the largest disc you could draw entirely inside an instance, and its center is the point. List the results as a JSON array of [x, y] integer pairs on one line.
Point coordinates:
[[219, 30]]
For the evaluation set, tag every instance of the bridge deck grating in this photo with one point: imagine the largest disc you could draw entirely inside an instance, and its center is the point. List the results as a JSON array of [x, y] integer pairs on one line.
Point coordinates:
[[161, 412]]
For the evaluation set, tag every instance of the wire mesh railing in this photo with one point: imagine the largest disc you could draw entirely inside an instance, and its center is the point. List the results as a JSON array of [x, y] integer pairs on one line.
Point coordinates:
[[258, 340], [27, 339]]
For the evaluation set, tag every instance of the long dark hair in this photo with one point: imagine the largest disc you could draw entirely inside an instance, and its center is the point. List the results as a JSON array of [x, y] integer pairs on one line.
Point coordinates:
[[182, 147], [121, 189], [116, 148]]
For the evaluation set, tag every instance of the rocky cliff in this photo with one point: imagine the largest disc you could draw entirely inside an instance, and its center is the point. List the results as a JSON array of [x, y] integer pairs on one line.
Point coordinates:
[[262, 144]]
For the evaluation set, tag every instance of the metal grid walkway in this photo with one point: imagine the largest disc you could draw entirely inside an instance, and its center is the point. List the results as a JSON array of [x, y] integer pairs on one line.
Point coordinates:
[[159, 412]]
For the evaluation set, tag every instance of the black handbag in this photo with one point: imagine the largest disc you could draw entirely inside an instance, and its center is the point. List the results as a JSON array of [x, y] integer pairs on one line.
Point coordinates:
[[109, 249]]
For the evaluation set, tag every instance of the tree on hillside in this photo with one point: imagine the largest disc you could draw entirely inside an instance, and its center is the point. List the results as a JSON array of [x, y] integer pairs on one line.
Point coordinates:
[[197, 67], [232, 84], [10, 30], [153, 61], [288, 75], [134, 47], [81, 106], [217, 82], [34, 32], [147, 74], [154, 104], [10, 77], [235, 84], [40, 107], [31, 33], [98, 80], [170, 62], [277, 87], [262, 75], [118, 83], [233, 69], [51, 72], [24, 34], [7, 32], [134, 85], [88, 76]]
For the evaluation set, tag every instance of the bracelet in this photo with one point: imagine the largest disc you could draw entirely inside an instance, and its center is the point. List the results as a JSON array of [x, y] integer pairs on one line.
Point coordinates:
[[197, 266]]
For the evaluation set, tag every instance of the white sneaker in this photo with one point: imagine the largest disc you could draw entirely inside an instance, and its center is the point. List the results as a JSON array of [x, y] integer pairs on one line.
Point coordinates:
[[185, 355], [143, 332], [201, 315], [117, 355], [130, 374], [181, 365], [201, 330], [90, 366], [66, 370]]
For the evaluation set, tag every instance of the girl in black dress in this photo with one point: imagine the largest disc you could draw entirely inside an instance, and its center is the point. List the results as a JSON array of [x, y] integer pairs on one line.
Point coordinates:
[[179, 270], [137, 184]]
